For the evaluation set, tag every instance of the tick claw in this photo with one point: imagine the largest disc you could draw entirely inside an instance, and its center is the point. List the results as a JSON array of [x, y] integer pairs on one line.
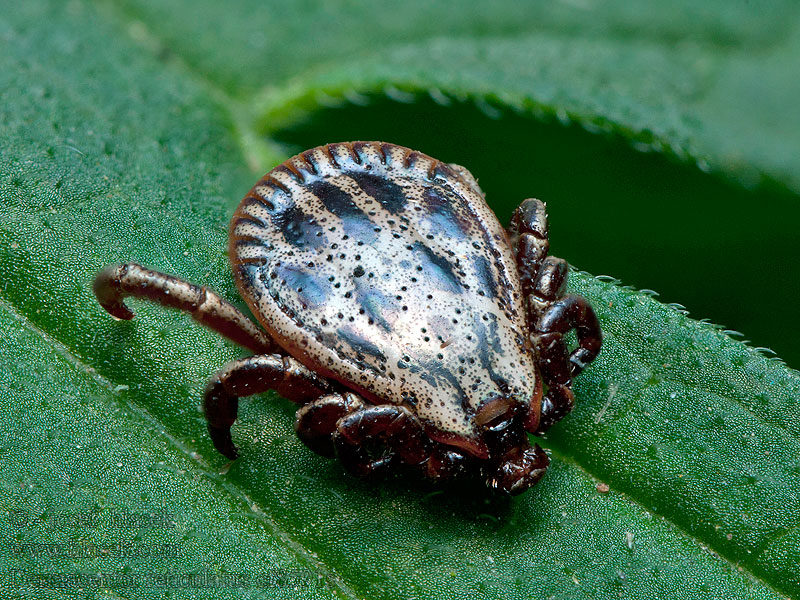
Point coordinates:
[[221, 436], [106, 288]]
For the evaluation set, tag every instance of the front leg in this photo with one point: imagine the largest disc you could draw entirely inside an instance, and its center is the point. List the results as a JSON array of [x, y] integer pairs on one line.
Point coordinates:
[[254, 375], [117, 282], [551, 314]]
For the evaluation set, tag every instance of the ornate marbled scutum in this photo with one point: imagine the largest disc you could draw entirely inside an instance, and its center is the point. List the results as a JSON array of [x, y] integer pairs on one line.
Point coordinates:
[[385, 269]]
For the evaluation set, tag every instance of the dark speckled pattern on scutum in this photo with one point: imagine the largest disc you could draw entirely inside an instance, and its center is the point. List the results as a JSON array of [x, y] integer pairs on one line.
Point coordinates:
[[386, 270]]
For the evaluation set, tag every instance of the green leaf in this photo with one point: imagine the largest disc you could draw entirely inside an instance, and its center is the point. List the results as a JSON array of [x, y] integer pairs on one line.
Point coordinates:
[[130, 131], [708, 85]]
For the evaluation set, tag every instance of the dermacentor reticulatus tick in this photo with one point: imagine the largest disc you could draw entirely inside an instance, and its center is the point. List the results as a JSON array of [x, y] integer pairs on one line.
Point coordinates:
[[395, 310]]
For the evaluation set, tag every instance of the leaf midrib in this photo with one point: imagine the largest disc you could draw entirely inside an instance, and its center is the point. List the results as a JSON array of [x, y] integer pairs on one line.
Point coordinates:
[[255, 513], [240, 113]]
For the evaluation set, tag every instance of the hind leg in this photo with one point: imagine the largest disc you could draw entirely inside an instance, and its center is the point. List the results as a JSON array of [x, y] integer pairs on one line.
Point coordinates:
[[117, 282]]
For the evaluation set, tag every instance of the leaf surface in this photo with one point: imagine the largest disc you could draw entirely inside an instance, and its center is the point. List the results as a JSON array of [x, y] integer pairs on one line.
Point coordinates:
[[129, 132]]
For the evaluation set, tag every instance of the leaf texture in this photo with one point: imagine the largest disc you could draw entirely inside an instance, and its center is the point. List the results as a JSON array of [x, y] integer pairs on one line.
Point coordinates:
[[129, 132]]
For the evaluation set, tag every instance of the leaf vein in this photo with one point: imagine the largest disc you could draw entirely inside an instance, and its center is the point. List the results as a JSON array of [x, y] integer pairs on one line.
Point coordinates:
[[703, 544], [295, 547]]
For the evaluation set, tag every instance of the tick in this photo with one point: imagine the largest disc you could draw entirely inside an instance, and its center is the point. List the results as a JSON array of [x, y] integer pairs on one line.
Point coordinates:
[[406, 322]]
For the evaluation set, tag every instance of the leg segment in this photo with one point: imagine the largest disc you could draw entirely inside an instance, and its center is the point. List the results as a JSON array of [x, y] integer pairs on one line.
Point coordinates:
[[528, 233], [254, 375], [574, 312], [446, 463], [368, 440], [315, 422], [556, 372], [552, 314], [519, 470], [116, 282]]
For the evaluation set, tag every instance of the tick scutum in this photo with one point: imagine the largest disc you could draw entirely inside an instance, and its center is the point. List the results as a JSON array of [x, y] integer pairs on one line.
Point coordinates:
[[406, 245]]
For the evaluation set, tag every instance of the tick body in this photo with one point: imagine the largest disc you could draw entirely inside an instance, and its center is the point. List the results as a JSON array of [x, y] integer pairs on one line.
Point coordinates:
[[395, 310]]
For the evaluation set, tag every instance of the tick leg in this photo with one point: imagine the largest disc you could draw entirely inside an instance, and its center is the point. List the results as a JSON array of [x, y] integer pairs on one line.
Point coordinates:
[[528, 233], [446, 463], [519, 470], [116, 282], [369, 439], [316, 421], [556, 372], [552, 314], [574, 312], [254, 375], [558, 366]]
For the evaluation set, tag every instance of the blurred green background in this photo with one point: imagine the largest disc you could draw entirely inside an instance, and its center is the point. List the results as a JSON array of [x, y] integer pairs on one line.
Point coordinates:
[[554, 100], [726, 253]]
